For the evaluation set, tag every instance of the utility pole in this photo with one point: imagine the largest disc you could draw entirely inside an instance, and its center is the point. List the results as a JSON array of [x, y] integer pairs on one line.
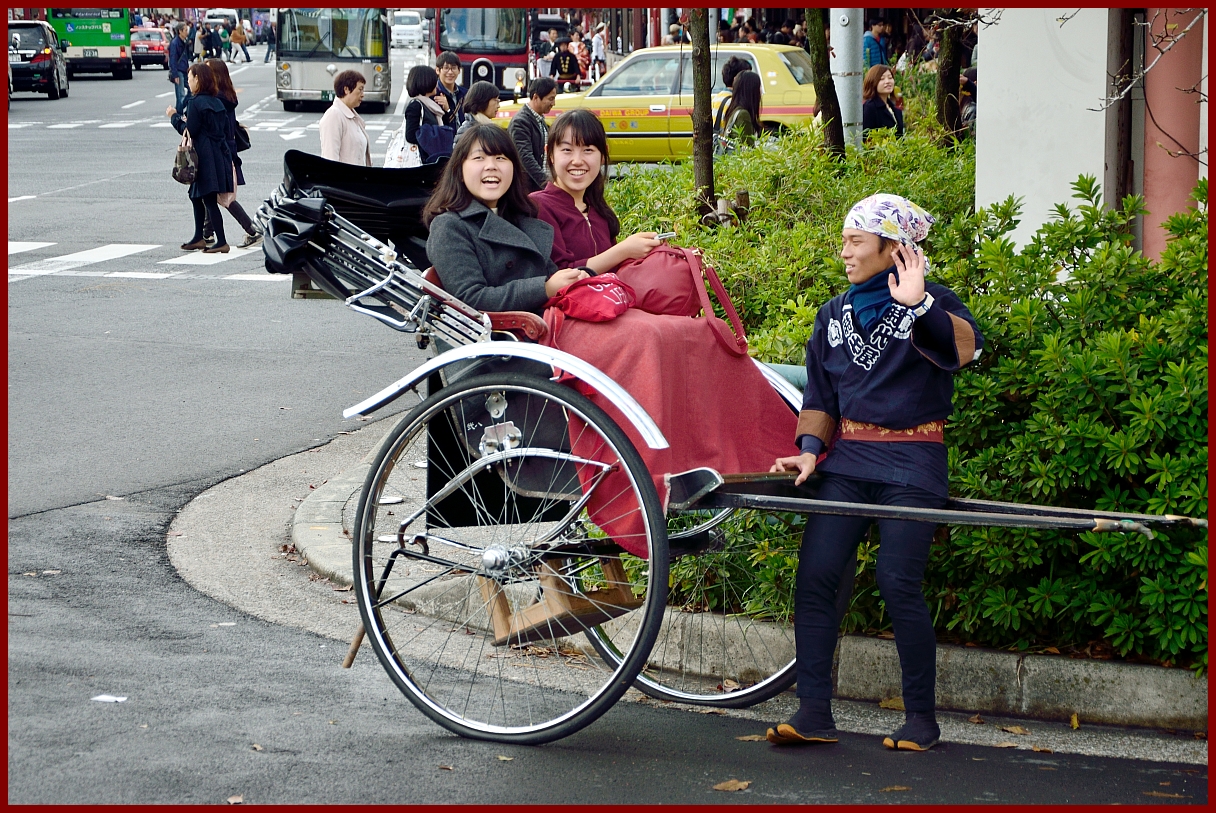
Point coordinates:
[[847, 32]]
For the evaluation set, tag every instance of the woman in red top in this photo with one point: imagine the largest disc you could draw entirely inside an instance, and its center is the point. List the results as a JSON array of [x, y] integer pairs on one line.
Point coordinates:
[[584, 225]]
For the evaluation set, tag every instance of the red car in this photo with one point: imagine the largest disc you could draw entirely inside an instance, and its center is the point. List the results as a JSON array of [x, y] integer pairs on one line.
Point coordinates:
[[150, 46]]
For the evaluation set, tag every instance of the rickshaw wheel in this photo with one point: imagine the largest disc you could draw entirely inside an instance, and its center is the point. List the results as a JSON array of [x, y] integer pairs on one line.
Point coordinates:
[[727, 640], [479, 562]]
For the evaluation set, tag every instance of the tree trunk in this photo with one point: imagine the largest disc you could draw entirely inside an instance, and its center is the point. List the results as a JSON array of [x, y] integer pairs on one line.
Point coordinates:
[[949, 59], [825, 87], [702, 118]]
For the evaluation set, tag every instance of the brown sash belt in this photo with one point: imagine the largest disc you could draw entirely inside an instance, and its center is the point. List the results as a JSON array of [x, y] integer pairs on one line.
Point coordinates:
[[931, 432]]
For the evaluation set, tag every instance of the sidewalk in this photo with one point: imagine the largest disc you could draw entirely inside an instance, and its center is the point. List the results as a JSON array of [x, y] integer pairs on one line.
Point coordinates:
[[1006, 688]]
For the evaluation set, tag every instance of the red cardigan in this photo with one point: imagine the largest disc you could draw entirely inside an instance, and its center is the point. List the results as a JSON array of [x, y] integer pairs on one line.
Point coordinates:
[[576, 238]]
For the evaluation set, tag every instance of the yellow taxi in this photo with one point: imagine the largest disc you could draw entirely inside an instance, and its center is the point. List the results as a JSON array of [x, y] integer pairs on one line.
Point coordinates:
[[645, 101]]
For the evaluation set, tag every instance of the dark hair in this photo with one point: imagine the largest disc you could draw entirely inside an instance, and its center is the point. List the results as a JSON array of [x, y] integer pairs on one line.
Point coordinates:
[[732, 68], [745, 95], [876, 21], [451, 195], [582, 128], [541, 87], [869, 85], [447, 58], [346, 81], [421, 81], [479, 97], [206, 79], [223, 82]]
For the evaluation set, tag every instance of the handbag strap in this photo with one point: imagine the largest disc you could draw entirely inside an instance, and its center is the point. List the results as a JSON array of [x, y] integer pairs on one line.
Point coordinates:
[[735, 344]]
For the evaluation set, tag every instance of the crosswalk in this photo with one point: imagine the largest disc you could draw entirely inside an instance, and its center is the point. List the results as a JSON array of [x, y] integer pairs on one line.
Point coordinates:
[[138, 261]]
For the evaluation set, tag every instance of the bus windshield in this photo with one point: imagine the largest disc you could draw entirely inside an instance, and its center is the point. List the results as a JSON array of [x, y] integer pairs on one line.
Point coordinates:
[[407, 18], [483, 30], [325, 33]]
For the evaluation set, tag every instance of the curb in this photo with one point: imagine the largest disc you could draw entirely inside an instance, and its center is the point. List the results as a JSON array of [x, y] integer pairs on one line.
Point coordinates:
[[970, 679]]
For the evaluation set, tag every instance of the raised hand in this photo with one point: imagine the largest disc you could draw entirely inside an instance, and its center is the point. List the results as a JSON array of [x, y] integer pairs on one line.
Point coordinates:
[[910, 263]]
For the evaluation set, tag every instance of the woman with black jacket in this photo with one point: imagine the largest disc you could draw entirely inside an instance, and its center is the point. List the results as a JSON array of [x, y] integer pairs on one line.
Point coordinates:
[[428, 105], [227, 94], [877, 111], [206, 120]]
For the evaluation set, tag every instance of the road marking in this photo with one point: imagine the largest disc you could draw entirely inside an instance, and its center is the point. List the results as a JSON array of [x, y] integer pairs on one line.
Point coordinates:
[[368, 126], [17, 248], [66, 126], [135, 104], [141, 274], [240, 70], [293, 135], [22, 197], [54, 265], [259, 277], [162, 124], [12, 126], [163, 95], [117, 125], [199, 258]]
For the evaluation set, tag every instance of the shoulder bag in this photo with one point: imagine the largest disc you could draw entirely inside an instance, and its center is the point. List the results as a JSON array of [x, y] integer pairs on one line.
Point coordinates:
[[401, 154], [242, 138]]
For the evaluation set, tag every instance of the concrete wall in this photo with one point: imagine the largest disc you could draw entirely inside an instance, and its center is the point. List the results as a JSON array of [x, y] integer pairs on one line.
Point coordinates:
[[1035, 130]]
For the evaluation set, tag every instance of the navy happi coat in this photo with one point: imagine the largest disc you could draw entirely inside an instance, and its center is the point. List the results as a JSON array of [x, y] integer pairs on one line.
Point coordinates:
[[898, 375]]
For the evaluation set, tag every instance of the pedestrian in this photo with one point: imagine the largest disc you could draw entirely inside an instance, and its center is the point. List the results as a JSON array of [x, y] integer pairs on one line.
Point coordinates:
[[673, 35], [271, 42], [429, 121], [874, 52], [480, 194], [179, 63], [215, 43], [565, 63], [880, 369], [225, 42], [545, 51], [205, 120], [448, 66], [530, 132], [226, 93], [581, 53], [599, 51], [239, 39], [202, 42], [480, 106], [743, 111], [343, 132], [585, 228], [877, 110]]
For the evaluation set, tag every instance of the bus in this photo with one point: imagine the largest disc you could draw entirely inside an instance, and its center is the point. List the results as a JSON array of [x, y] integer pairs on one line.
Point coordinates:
[[492, 43], [99, 39], [316, 44]]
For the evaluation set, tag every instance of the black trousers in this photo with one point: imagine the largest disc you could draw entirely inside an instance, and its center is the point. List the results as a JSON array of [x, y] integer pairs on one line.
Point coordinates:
[[829, 544]]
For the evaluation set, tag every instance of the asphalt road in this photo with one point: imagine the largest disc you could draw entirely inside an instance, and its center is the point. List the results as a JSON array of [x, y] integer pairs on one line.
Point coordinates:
[[136, 383]]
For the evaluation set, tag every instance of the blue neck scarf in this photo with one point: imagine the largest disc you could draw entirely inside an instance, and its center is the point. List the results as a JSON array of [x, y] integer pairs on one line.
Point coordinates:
[[871, 298]]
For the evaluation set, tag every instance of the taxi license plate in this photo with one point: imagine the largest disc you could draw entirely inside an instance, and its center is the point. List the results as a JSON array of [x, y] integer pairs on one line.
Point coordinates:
[[90, 52], [141, 47]]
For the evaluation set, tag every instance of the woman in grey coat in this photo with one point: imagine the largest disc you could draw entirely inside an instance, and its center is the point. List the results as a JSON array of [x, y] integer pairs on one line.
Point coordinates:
[[486, 243]]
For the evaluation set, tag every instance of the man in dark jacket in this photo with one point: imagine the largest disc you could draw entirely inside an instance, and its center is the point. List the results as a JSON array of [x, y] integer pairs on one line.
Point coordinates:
[[179, 62], [271, 41], [529, 131]]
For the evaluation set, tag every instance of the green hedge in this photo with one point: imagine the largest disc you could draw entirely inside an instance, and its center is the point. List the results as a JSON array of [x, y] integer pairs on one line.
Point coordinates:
[[1092, 390]]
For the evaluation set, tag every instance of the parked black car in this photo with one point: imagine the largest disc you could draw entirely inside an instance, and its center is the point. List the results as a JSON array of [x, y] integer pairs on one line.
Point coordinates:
[[38, 58]]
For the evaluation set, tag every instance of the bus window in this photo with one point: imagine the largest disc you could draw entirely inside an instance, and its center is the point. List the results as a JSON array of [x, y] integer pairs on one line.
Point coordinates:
[[343, 33], [485, 30]]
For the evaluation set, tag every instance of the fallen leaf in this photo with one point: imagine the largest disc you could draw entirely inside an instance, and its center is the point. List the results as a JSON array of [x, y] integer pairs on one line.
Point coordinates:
[[1200, 735], [978, 720], [236, 800], [333, 722], [446, 768], [894, 787], [1161, 795], [1041, 768], [1006, 745], [145, 725], [732, 785], [712, 711], [1163, 784], [1014, 729], [896, 703], [729, 685], [257, 747], [752, 738], [345, 589], [1051, 650], [1075, 721], [1040, 749], [505, 759], [112, 497], [226, 624], [979, 759], [51, 572], [970, 643], [29, 574]]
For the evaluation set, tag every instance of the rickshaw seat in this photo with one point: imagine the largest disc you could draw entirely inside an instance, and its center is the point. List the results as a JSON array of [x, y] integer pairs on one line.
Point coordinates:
[[521, 323]]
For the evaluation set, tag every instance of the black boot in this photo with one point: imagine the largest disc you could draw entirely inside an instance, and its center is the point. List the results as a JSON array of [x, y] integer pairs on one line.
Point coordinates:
[[811, 723], [918, 733]]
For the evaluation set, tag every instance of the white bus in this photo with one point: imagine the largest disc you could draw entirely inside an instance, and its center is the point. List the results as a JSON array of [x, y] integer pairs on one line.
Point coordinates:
[[316, 44]]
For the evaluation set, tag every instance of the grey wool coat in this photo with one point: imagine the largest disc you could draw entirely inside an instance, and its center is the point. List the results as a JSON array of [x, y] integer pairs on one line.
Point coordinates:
[[488, 262]]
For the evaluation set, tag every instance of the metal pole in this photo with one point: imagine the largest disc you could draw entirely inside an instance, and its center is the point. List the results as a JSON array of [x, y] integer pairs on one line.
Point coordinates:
[[846, 61]]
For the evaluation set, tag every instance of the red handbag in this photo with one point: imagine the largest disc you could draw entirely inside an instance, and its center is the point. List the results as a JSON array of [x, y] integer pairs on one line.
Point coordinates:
[[671, 280], [600, 298]]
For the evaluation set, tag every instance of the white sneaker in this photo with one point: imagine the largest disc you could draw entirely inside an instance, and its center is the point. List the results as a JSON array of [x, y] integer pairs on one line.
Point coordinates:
[[251, 241]]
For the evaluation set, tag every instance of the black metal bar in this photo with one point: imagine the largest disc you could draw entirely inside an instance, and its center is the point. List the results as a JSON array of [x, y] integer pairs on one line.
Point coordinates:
[[1050, 510], [800, 505]]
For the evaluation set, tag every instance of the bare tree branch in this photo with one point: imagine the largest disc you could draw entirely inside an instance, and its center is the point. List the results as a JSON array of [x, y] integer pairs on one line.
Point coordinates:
[[1161, 43], [1063, 18]]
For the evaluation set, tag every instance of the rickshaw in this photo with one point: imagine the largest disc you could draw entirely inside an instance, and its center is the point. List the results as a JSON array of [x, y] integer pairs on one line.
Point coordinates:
[[514, 568]]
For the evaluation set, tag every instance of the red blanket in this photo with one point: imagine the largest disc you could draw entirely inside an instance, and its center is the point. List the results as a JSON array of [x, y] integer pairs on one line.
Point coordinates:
[[714, 408]]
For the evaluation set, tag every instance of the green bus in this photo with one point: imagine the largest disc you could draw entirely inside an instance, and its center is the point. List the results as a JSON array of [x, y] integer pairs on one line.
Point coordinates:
[[99, 39]]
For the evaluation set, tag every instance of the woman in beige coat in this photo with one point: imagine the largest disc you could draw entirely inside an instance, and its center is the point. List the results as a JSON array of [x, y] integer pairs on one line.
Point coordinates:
[[343, 134]]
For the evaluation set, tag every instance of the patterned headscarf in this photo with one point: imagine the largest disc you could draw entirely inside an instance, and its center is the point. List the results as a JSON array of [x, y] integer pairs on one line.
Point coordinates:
[[890, 216]]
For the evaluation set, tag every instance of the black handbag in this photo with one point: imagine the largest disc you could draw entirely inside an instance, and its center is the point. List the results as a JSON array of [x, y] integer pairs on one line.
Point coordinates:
[[185, 164], [242, 137]]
